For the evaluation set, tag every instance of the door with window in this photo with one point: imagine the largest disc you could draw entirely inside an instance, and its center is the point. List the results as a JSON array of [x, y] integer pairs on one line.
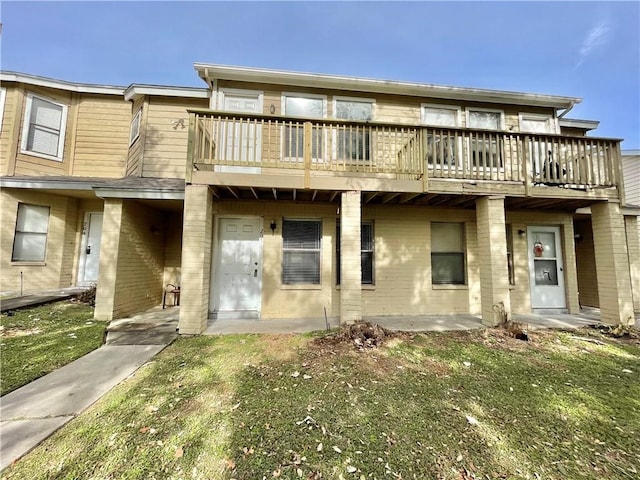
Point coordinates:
[[90, 249], [546, 269], [540, 147], [485, 147], [353, 143], [241, 138], [238, 271]]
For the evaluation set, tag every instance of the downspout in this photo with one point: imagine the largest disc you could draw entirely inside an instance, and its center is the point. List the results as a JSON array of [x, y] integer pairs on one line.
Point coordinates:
[[567, 110]]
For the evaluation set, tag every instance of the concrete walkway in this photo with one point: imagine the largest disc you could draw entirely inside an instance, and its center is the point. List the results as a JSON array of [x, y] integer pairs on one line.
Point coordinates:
[[30, 414], [14, 301]]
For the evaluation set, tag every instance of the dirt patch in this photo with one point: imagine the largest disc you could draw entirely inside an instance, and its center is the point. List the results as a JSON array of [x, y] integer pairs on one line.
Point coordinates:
[[18, 332], [620, 333], [361, 335]]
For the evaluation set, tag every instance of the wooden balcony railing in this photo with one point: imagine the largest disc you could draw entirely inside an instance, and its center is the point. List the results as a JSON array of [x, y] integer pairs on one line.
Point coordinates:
[[250, 143]]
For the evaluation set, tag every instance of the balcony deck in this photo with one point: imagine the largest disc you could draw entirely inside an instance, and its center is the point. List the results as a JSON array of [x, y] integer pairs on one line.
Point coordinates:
[[260, 156]]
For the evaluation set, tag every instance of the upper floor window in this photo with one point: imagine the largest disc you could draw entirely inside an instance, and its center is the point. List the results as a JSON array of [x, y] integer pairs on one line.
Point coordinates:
[[440, 115], [3, 96], [484, 119], [309, 106], [135, 127], [537, 123], [44, 126], [30, 240], [353, 142]]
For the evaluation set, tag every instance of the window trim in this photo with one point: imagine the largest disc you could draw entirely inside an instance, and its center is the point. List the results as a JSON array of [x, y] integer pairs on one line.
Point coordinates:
[[26, 123], [548, 117], [455, 108], [137, 118], [3, 98], [222, 92], [465, 282], [372, 251], [39, 261], [318, 250]]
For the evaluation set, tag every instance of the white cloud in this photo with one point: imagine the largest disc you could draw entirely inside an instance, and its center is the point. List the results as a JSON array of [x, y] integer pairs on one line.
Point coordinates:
[[597, 37]]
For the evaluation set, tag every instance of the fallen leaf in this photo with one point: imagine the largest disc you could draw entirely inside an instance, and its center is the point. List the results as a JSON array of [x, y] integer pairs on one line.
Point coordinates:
[[319, 447], [295, 374], [336, 449], [351, 469], [472, 420], [144, 430], [230, 464], [179, 452], [626, 370]]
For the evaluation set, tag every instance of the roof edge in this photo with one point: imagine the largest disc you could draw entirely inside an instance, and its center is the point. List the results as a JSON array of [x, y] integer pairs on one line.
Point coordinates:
[[136, 90], [263, 75], [39, 81], [577, 123]]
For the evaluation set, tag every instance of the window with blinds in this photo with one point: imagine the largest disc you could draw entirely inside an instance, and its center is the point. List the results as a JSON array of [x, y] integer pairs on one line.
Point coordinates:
[[43, 129], [366, 252], [30, 240], [447, 253], [301, 251]]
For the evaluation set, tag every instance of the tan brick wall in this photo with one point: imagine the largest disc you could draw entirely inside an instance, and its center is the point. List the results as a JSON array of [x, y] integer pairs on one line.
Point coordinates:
[[173, 249], [586, 264], [633, 246], [196, 259], [612, 264], [492, 253], [57, 269], [131, 259], [350, 260]]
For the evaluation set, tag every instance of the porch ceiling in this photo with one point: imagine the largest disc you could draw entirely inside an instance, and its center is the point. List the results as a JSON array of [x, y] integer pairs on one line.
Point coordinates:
[[236, 193]]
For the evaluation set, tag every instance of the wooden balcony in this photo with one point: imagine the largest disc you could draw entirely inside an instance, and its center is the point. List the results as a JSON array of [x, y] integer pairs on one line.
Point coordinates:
[[321, 154]]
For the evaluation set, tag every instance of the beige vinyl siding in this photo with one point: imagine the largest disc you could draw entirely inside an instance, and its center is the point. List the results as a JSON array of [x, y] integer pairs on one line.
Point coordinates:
[[11, 120], [57, 269], [136, 150], [166, 136], [631, 172], [27, 164], [101, 137]]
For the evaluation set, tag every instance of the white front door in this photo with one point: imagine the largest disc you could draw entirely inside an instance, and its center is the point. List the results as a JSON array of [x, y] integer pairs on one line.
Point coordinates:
[[546, 269], [241, 138], [238, 281], [90, 253]]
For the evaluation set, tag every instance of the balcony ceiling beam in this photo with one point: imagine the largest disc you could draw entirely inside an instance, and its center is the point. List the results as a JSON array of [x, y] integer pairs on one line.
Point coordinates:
[[388, 197]]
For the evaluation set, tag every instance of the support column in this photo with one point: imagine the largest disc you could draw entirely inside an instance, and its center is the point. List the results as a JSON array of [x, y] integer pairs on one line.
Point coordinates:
[[196, 259], [492, 254], [633, 246], [350, 260], [109, 253], [612, 264]]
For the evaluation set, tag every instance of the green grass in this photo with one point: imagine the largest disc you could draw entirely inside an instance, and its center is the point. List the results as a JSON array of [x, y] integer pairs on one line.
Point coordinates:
[[459, 405], [36, 341]]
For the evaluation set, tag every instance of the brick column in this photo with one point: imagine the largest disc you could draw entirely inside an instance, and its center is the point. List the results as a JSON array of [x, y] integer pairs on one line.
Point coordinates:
[[633, 246], [350, 261], [492, 255], [196, 259], [612, 264], [109, 255]]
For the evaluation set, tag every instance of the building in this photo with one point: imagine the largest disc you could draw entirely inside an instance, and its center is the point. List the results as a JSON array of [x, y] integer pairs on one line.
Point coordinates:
[[275, 194]]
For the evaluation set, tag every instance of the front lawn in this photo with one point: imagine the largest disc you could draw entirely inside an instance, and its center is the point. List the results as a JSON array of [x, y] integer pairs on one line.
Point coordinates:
[[458, 405], [36, 341]]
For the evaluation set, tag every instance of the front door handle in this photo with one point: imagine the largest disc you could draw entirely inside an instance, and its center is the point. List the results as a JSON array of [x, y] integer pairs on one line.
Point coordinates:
[[88, 250], [255, 273]]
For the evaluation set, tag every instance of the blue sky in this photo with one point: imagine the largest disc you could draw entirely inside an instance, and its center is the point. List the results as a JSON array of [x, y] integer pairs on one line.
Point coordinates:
[[584, 49]]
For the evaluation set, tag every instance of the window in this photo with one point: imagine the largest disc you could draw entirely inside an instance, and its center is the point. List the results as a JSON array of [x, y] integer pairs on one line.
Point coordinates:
[[442, 148], [30, 239], [353, 142], [301, 251], [537, 123], [447, 253], [308, 107], [135, 127], [366, 252], [3, 96], [486, 148], [43, 129], [510, 267]]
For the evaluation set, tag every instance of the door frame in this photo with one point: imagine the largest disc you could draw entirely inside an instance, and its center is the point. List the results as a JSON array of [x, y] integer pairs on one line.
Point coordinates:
[[82, 257], [214, 289], [560, 265]]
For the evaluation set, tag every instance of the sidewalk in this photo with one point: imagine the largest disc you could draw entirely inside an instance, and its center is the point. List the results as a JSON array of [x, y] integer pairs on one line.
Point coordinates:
[[33, 299], [30, 414]]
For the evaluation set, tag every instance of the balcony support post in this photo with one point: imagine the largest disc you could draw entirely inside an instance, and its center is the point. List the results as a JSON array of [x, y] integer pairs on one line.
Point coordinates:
[[492, 252], [350, 259], [527, 173], [190, 147]]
